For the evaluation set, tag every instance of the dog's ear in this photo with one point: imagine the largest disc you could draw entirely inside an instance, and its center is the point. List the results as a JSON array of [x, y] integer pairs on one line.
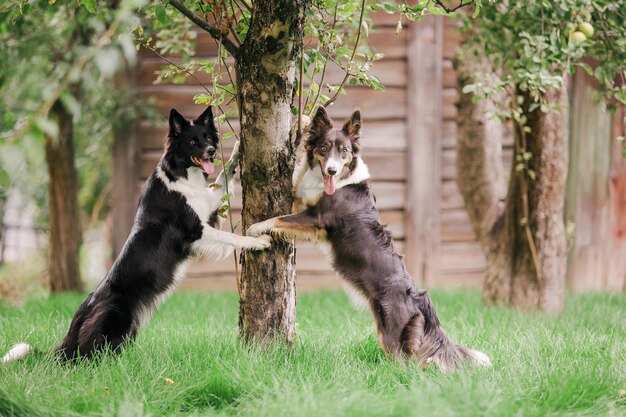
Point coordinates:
[[205, 119], [177, 123], [352, 128], [320, 121]]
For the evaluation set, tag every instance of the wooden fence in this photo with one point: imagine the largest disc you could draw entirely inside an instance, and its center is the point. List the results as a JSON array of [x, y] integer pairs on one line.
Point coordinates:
[[409, 144]]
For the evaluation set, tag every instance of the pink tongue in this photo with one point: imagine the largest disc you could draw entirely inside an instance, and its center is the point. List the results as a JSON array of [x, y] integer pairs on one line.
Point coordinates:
[[329, 184], [207, 166]]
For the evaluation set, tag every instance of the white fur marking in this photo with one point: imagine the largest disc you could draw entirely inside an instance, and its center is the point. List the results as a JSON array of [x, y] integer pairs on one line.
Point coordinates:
[[17, 352], [333, 163], [480, 358], [194, 188]]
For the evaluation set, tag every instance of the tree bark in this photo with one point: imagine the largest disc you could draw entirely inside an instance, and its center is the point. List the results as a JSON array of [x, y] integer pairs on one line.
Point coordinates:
[[523, 237], [64, 224], [266, 72]]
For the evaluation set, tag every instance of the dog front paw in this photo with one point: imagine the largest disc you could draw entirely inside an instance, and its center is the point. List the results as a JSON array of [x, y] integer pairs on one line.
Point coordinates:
[[259, 243], [258, 229]]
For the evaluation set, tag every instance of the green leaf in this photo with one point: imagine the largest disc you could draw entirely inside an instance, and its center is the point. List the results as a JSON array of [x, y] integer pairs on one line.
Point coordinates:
[[389, 8], [90, 5], [161, 14], [5, 180]]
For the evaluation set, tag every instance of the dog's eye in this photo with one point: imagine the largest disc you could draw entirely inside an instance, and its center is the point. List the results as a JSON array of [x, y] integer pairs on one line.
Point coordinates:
[[193, 142]]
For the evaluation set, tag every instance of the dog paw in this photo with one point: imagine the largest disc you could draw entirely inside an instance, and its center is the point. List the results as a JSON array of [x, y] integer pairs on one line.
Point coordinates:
[[258, 229], [259, 243]]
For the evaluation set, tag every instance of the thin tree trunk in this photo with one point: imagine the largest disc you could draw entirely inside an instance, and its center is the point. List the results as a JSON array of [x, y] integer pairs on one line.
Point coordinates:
[[266, 72], [65, 232], [539, 283], [523, 237]]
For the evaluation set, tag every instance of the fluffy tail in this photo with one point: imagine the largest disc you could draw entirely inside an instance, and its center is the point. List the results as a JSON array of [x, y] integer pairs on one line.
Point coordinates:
[[451, 356], [17, 352], [437, 347]]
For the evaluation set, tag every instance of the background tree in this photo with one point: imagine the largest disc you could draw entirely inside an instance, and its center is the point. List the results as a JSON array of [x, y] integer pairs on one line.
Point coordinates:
[[55, 53], [519, 56]]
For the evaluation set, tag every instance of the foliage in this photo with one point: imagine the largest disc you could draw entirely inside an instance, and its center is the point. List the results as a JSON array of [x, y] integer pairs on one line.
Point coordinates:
[[533, 45], [49, 52], [335, 34], [189, 361]]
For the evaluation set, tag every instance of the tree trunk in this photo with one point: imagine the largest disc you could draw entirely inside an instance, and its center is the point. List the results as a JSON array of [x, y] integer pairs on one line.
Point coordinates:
[[523, 237], [266, 72], [65, 233]]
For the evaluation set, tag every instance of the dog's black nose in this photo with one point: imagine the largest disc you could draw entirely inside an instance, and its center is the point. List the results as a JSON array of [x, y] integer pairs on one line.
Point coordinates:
[[332, 171], [211, 151]]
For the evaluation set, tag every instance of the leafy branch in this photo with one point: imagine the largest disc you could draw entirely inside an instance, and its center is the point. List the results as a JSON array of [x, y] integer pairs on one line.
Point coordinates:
[[356, 45]]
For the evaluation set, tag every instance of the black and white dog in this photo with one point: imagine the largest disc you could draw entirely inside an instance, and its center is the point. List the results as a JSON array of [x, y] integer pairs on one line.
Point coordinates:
[[174, 220], [341, 216]]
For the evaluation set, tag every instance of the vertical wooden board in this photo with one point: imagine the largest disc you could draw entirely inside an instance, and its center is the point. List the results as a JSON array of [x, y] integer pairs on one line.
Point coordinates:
[[424, 148], [616, 246], [588, 198], [125, 155]]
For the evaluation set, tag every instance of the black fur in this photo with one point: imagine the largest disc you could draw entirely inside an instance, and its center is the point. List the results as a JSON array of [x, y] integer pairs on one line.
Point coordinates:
[[161, 239]]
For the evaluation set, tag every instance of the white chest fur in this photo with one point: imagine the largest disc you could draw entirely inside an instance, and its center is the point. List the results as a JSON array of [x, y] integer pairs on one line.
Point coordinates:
[[195, 190]]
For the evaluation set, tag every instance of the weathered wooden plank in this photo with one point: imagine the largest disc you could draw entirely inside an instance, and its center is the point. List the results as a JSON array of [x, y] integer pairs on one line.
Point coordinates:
[[451, 197], [424, 148], [449, 98], [460, 279], [448, 134], [595, 194], [461, 257], [124, 160], [451, 41], [448, 158], [449, 74], [455, 226], [377, 105]]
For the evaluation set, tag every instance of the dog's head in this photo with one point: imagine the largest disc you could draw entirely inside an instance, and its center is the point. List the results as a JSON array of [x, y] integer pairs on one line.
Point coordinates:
[[192, 143], [334, 150]]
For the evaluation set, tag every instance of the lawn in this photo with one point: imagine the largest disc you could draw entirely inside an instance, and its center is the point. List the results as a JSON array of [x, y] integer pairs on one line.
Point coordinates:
[[189, 361]]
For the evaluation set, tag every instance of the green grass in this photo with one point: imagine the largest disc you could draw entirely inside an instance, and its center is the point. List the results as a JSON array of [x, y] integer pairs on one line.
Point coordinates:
[[573, 364]]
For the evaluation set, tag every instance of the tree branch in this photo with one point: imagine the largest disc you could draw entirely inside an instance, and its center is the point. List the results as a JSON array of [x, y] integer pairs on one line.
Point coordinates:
[[356, 45], [454, 9], [203, 24]]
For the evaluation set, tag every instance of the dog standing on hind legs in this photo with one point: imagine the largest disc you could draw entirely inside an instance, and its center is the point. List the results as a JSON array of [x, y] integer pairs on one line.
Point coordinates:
[[175, 219], [341, 215]]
